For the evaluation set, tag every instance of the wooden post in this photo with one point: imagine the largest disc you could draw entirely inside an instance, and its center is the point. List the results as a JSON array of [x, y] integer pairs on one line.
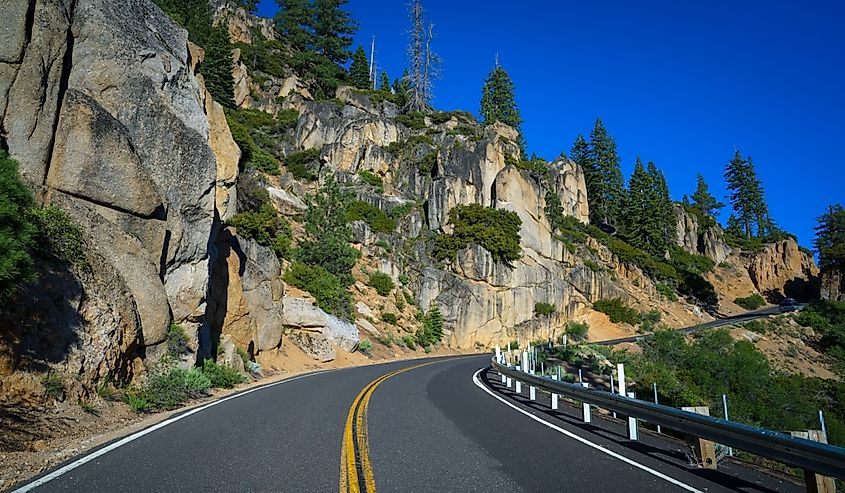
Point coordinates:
[[705, 450], [816, 483]]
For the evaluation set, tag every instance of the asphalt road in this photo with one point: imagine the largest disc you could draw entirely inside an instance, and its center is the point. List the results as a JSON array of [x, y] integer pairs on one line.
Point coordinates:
[[743, 317], [429, 428]]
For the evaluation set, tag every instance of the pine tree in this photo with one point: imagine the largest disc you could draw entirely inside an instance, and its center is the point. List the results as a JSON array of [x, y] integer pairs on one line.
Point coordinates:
[[498, 103], [401, 88], [606, 206], [16, 234], [747, 198], [295, 21], [830, 238], [703, 200], [359, 71], [639, 208], [665, 226], [216, 68], [384, 83], [581, 155], [333, 29]]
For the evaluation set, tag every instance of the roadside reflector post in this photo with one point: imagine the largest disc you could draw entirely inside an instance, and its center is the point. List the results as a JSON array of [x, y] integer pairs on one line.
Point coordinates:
[[554, 396], [705, 450], [518, 387], [633, 423], [611, 388], [586, 413], [509, 382], [620, 377], [498, 354], [532, 393], [654, 386], [816, 483]]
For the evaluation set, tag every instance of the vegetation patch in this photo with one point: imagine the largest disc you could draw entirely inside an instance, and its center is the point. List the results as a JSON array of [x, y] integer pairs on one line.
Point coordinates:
[[543, 309], [617, 311], [431, 331], [298, 164], [371, 178], [331, 295], [266, 227], [389, 318], [496, 230], [375, 218], [751, 302], [381, 282]]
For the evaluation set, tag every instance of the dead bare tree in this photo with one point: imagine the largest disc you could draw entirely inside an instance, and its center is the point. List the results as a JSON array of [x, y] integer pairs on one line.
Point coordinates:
[[422, 60]]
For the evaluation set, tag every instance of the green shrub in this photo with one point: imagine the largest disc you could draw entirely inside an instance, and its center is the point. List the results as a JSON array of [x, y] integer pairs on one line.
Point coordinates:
[[427, 163], [404, 279], [751, 302], [401, 210], [54, 386], [666, 291], [383, 244], [577, 330], [400, 302], [409, 298], [414, 121], [375, 218], [385, 340], [496, 230], [16, 231], [542, 309], [649, 320], [381, 282], [297, 163], [324, 286], [137, 402], [243, 355], [58, 236], [592, 265], [409, 342], [365, 347], [617, 311], [221, 375], [177, 341], [197, 382], [371, 178], [266, 227], [389, 318], [287, 118], [431, 331], [536, 166]]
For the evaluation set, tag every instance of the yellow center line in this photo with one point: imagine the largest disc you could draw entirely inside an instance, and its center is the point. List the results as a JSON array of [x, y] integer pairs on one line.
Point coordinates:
[[356, 428]]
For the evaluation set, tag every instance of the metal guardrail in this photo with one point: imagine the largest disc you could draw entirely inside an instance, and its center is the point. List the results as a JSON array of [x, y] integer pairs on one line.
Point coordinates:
[[821, 458]]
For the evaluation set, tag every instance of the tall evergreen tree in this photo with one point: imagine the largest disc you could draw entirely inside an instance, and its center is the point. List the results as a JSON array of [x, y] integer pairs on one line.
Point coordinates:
[[606, 206], [16, 232], [359, 71], [384, 83], [665, 227], [333, 29], [703, 200], [401, 88], [638, 208], [830, 238], [581, 155], [747, 198], [295, 21], [498, 103]]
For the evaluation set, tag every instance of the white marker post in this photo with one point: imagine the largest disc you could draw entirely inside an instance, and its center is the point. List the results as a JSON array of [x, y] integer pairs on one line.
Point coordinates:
[[620, 373], [554, 396], [532, 393], [633, 425], [586, 413]]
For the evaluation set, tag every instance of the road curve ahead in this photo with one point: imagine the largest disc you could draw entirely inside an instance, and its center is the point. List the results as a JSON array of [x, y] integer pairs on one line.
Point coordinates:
[[424, 425]]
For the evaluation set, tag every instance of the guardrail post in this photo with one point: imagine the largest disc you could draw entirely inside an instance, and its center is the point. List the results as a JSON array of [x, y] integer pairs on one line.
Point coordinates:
[[586, 413], [509, 382], [532, 393], [620, 373], [554, 396], [816, 483], [705, 450], [633, 423]]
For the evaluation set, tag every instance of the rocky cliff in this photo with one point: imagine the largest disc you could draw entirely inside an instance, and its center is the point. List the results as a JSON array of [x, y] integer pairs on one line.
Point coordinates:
[[105, 111]]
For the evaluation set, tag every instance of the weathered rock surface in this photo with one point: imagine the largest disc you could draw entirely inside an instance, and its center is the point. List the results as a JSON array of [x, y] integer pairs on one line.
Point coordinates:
[[317, 332], [245, 296], [832, 285], [286, 202], [782, 269], [687, 229], [700, 239]]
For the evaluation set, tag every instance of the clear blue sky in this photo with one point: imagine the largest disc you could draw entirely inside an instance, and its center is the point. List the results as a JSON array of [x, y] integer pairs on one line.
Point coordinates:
[[678, 83]]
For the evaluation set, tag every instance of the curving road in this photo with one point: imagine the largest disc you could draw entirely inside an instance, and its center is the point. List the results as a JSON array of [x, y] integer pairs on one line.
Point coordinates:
[[721, 322], [424, 425]]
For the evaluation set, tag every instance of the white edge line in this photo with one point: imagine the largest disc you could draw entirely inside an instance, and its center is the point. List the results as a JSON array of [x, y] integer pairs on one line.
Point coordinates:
[[100, 452], [584, 440]]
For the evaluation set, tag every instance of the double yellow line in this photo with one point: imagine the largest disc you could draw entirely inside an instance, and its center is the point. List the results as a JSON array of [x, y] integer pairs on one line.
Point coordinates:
[[356, 472]]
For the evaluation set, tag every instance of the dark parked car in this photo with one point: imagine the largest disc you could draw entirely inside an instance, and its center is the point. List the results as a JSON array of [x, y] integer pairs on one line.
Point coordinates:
[[789, 305]]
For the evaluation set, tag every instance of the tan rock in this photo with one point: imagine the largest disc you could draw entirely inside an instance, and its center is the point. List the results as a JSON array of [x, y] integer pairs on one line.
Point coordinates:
[[93, 154], [226, 153], [782, 269], [687, 229], [196, 55]]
